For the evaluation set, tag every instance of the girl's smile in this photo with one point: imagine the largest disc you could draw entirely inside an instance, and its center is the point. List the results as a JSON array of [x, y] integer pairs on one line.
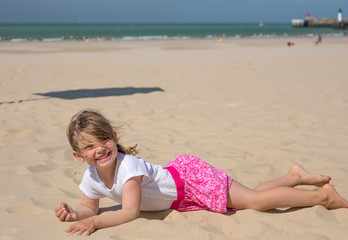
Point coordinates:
[[104, 157]]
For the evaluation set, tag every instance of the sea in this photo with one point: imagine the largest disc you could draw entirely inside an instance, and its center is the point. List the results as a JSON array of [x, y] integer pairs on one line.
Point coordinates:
[[142, 31]]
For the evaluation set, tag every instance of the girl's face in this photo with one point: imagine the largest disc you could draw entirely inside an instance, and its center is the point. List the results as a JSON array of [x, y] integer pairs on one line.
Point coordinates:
[[95, 153]]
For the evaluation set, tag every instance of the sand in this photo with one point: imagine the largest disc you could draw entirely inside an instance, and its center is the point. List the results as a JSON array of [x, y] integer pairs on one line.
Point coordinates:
[[252, 107]]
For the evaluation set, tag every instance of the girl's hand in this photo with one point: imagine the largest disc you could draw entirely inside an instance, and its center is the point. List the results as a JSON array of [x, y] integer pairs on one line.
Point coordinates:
[[86, 225], [65, 213]]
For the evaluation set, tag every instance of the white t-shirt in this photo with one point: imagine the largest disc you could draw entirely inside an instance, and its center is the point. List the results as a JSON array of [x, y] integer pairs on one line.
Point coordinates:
[[158, 186]]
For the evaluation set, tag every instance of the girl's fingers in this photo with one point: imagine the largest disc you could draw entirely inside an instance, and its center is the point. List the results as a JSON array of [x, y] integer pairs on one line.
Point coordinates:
[[63, 215], [70, 229], [65, 206], [59, 213], [68, 217], [88, 233], [80, 232], [57, 209], [74, 229]]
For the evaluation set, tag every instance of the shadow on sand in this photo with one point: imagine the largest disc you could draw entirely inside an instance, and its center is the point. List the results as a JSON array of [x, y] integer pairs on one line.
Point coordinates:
[[88, 93], [101, 92], [158, 215]]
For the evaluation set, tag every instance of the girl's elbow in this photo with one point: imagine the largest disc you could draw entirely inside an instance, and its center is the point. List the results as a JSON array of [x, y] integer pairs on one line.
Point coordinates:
[[136, 214], [133, 213]]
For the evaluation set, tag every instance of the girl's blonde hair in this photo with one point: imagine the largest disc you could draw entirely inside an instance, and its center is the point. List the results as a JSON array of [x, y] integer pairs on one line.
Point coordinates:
[[95, 124]]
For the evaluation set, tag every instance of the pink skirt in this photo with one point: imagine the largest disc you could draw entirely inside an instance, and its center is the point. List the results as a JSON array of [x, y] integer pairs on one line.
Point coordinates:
[[199, 185]]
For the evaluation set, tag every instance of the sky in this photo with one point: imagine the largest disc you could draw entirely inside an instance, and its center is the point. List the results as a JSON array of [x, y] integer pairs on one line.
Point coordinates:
[[166, 11]]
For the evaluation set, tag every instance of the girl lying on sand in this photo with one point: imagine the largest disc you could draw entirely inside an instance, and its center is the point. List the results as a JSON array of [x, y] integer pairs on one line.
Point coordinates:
[[186, 183]]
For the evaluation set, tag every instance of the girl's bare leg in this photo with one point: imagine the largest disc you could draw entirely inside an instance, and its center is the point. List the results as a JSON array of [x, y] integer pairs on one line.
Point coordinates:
[[296, 176], [241, 197]]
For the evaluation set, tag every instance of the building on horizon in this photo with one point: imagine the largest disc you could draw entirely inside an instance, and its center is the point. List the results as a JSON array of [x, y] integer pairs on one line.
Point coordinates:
[[309, 21]]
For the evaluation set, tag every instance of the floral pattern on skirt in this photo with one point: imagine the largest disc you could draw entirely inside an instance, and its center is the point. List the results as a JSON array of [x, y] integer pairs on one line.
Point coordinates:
[[205, 186]]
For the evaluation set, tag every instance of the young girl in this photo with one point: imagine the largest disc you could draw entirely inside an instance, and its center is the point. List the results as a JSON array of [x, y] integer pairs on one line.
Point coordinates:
[[187, 183]]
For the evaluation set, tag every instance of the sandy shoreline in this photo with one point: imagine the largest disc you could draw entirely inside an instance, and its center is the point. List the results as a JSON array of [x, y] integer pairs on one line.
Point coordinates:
[[250, 106]]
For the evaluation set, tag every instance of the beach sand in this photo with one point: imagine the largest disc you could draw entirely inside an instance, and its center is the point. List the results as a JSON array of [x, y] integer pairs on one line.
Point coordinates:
[[252, 107]]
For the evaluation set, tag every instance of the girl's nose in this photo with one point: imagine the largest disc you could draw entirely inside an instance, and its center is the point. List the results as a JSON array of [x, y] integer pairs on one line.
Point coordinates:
[[100, 149]]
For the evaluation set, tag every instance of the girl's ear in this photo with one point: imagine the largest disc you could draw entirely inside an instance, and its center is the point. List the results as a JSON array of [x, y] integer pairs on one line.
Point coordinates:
[[77, 156]]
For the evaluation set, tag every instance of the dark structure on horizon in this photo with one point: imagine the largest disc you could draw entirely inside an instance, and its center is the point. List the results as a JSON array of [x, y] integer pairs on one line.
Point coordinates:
[[309, 21]]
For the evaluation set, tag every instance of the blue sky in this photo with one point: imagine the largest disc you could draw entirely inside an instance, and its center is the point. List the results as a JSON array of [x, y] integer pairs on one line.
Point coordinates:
[[166, 11]]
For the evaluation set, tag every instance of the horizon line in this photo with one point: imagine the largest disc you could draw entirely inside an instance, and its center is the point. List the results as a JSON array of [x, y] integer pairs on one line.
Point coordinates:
[[146, 22]]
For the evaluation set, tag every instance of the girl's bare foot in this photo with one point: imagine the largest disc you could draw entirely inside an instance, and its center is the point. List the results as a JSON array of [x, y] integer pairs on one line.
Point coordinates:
[[305, 178], [333, 200]]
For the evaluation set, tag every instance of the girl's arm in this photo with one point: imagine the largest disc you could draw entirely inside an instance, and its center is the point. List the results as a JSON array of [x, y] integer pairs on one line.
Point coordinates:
[[131, 199], [87, 208]]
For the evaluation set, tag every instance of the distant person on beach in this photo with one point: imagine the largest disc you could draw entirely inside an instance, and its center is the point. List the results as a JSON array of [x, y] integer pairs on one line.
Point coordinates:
[[187, 183], [317, 38], [290, 43]]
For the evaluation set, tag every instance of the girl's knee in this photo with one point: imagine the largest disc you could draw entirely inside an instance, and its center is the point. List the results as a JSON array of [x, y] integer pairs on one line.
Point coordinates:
[[242, 197], [256, 202]]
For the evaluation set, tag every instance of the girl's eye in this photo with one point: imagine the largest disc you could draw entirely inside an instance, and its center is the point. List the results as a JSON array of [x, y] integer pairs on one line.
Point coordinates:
[[104, 140], [89, 147]]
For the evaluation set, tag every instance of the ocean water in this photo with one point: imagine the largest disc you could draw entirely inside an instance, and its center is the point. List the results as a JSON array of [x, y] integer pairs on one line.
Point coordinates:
[[59, 32]]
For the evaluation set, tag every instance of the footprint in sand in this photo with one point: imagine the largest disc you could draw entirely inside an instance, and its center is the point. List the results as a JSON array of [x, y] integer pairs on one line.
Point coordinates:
[[70, 173], [303, 120], [16, 133], [74, 175], [45, 201], [50, 150], [326, 215], [39, 168], [25, 208], [42, 181], [71, 194]]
